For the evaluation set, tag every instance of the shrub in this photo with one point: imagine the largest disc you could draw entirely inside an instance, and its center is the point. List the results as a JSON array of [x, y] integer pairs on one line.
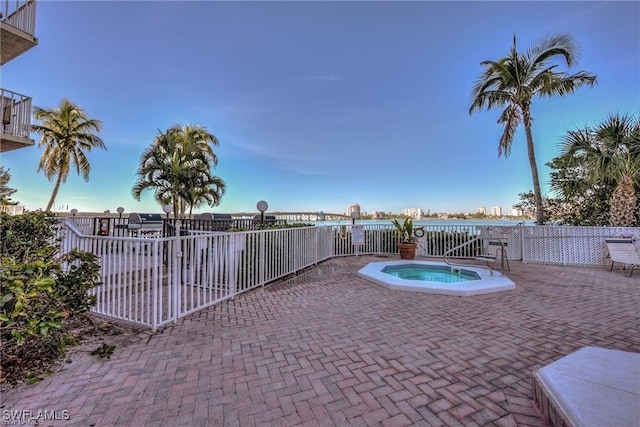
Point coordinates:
[[38, 295], [22, 236], [73, 286]]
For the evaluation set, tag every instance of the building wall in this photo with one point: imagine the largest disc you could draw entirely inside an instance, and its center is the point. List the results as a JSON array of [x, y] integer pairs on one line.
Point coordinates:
[[354, 208]]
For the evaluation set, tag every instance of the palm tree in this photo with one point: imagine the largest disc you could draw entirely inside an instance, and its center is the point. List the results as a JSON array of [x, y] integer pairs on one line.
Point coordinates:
[[177, 166], [67, 136], [514, 81], [607, 157], [622, 204], [208, 191]]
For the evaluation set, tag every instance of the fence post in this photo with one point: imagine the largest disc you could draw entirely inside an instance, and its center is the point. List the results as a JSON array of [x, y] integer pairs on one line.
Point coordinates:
[[154, 287], [177, 270]]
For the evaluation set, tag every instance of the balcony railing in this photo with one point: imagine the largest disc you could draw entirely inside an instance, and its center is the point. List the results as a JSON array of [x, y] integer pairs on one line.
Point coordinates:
[[15, 110], [20, 14], [17, 28]]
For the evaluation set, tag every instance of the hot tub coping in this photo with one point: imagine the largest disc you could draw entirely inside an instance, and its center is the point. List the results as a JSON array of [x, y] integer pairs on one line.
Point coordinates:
[[488, 283]]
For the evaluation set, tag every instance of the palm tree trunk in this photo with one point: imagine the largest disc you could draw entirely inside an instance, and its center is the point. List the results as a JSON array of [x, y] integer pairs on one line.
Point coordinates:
[[55, 193], [534, 167]]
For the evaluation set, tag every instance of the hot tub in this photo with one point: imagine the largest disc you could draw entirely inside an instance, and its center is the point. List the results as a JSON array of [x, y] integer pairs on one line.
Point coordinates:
[[435, 277]]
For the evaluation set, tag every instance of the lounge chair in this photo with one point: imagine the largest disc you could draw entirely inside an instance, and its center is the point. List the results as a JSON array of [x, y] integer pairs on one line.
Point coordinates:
[[495, 249], [623, 251]]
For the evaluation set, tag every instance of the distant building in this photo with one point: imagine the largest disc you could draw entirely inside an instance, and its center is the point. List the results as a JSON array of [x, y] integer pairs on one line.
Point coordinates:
[[413, 212], [496, 210], [517, 212], [379, 215], [481, 210], [353, 209]]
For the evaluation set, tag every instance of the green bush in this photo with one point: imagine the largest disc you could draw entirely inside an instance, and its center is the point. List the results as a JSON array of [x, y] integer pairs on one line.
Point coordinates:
[[73, 286], [30, 306], [38, 296], [22, 236]]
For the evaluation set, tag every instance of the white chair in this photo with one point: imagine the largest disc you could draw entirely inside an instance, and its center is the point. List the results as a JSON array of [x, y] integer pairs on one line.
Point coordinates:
[[494, 248], [623, 251]]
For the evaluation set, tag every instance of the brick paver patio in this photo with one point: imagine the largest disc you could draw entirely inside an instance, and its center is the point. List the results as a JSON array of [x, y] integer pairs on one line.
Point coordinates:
[[328, 348]]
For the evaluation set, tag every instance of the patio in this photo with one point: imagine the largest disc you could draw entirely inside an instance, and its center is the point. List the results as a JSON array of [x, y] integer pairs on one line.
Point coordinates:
[[329, 348]]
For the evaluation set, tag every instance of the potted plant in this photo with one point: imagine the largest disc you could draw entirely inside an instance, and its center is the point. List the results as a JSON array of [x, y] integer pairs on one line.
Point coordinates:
[[407, 244]]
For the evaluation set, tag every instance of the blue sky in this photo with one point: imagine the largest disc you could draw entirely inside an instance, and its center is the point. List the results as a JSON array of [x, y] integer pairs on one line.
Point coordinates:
[[317, 105]]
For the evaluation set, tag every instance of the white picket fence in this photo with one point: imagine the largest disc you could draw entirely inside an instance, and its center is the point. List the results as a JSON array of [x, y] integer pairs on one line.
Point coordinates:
[[155, 281]]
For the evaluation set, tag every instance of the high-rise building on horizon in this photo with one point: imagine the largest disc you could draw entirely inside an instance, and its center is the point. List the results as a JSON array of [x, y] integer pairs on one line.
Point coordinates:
[[353, 210], [481, 210], [416, 213], [496, 210]]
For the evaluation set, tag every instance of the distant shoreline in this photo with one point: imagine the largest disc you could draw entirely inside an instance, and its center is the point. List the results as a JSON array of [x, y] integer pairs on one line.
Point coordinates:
[[495, 221]]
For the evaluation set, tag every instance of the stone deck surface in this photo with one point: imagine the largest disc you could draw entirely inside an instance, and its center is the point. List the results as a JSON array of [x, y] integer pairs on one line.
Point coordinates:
[[330, 349]]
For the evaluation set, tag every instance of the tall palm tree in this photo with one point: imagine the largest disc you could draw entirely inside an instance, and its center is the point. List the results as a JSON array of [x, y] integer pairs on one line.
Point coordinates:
[[608, 156], [177, 166], [67, 136], [514, 81]]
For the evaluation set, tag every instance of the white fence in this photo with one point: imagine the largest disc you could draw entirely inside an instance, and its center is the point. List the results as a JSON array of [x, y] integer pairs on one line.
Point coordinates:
[[580, 246], [154, 281], [12, 209]]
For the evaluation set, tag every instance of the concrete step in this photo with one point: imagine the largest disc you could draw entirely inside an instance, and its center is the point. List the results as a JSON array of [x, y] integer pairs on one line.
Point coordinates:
[[592, 387]]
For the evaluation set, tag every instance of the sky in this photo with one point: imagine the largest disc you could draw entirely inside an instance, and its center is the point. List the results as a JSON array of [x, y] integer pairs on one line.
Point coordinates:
[[317, 105]]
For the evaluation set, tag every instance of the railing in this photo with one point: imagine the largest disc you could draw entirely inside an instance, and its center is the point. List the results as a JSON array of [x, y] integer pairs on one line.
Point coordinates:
[[197, 224], [16, 114], [565, 245], [12, 209], [155, 281], [472, 245], [20, 14], [383, 239]]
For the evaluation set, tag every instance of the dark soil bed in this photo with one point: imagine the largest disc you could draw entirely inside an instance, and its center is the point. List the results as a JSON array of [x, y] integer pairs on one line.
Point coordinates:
[[90, 336]]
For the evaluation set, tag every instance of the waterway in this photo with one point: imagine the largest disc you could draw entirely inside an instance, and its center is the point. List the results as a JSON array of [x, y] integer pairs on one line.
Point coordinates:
[[433, 222]]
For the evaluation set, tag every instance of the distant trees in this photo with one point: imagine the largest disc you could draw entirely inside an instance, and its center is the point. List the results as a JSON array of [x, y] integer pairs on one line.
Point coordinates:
[[177, 166], [5, 191], [512, 82], [67, 136]]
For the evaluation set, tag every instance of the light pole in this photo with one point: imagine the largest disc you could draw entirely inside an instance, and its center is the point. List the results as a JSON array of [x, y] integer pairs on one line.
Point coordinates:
[[354, 215], [120, 210], [262, 207], [167, 209], [74, 211]]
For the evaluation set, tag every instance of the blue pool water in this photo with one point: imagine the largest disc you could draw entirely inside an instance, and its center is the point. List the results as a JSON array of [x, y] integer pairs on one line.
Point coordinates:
[[430, 273]]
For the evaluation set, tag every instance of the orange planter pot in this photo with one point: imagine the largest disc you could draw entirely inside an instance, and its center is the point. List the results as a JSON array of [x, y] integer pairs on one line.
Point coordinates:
[[407, 250]]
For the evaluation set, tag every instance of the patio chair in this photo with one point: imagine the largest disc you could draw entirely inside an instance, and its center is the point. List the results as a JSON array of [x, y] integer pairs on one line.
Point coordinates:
[[623, 251], [494, 249]]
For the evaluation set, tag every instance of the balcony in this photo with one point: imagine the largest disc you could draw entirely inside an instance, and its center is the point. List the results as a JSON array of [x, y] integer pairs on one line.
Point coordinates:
[[15, 110], [17, 25]]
